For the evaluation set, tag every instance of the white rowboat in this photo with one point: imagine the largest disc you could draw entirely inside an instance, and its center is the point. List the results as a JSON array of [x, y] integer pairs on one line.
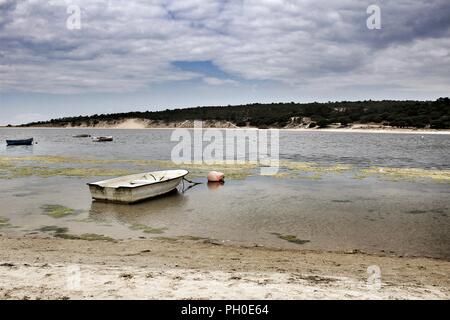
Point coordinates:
[[137, 187]]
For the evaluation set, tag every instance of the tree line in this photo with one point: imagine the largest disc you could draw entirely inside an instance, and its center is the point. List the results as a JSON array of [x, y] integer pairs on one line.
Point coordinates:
[[401, 114]]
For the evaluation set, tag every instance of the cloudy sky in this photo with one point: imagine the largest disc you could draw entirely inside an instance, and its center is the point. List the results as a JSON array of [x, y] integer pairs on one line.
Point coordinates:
[[158, 54]]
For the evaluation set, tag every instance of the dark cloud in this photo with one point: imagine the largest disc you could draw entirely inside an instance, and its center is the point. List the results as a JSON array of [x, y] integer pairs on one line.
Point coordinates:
[[407, 21]]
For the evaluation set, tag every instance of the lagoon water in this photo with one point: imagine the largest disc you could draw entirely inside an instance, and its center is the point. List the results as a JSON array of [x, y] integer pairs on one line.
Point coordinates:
[[361, 149], [330, 211]]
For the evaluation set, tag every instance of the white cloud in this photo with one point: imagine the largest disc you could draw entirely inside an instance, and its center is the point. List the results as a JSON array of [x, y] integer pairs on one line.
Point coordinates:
[[128, 45], [28, 117], [217, 82]]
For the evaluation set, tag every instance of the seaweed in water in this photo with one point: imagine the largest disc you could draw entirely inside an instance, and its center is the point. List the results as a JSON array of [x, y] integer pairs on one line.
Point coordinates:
[[290, 238], [4, 222], [147, 229], [91, 237], [57, 211], [62, 232], [85, 236], [416, 212], [54, 229]]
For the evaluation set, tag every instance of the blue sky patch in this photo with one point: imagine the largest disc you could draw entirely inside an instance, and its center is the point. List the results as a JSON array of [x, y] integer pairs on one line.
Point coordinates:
[[206, 68]]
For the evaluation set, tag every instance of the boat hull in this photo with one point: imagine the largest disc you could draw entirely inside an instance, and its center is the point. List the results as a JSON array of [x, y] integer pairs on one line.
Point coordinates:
[[102, 139], [23, 142], [127, 194]]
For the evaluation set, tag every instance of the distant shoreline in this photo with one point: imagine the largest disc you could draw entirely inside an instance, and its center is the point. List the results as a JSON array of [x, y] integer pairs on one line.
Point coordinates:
[[328, 130]]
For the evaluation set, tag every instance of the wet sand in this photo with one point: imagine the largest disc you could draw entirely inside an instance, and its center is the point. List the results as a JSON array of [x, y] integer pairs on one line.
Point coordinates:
[[36, 268]]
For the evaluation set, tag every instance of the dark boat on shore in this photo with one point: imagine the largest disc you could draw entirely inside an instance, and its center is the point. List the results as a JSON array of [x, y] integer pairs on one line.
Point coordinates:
[[21, 142], [82, 136]]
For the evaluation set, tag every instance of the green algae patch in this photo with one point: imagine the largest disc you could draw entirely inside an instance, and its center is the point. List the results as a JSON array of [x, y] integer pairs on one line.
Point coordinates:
[[314, 167], [53, 229], [85, 236], [62, 232], [237, 171], [308, 170], [192, 238], [19, 172], [281, 175], [166, 239], [338, 168], [19, 167], [16, 167], [407, 173], [44, 172], [66, 236], [299, 166], [83, 172], [58, 232], [288, 170], [147, 229], [4, 223], [85, 220], [96, 237], [56, 160], [291, 238], [310, 176], [26, 166], [57, 211], [416, 212], [5, 167]]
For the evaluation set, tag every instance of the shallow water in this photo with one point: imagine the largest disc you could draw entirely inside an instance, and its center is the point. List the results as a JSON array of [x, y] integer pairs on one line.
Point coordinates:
[[332, 211]]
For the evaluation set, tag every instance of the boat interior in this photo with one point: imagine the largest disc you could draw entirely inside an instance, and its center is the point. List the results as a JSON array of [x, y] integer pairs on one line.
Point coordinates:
[[141, 179]]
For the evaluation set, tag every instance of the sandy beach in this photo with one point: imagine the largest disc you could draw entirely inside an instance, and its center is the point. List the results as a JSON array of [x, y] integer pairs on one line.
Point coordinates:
[[136, 124], [36, 268]]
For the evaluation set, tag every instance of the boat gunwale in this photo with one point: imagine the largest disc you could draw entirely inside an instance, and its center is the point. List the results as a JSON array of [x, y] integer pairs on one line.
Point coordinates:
[[140, 186]]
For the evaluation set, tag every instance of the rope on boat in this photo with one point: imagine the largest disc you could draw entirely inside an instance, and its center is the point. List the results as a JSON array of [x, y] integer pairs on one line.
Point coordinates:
[[193, 184]]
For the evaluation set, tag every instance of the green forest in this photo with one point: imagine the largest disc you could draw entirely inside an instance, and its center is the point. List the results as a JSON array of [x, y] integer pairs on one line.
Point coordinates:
[[400, 114]]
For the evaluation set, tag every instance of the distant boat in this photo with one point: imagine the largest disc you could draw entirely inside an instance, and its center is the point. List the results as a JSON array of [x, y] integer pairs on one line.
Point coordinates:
[[137, 187], [82, 136], [102, 139], [20, 142]]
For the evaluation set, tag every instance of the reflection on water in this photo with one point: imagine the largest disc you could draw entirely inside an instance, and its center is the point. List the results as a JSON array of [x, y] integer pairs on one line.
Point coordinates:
[[215, 185], [130, 214], [20, 150]]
